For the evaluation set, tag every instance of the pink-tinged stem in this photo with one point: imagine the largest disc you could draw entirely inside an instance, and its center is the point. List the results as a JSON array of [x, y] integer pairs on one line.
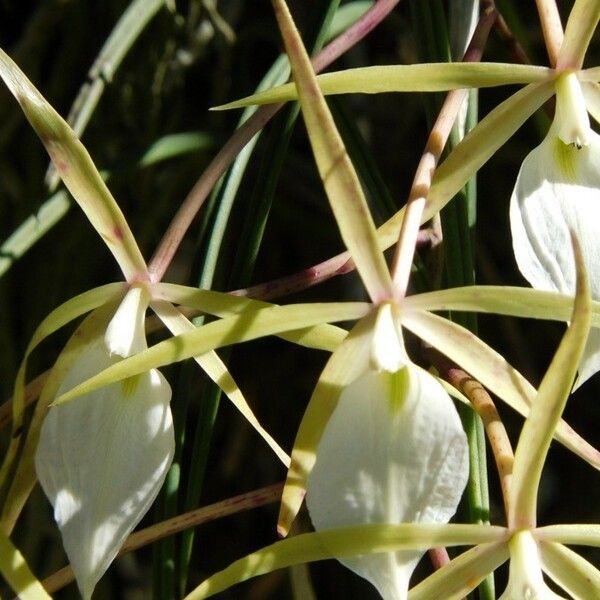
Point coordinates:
[[551, 27], [439, 557], [243, 502], [484, 406], [438, 137], [195, 199], [332, 267]]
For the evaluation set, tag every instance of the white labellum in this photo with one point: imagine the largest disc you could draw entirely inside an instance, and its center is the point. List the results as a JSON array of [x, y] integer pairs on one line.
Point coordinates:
[[557, 190], [393, 451], [103, 457]]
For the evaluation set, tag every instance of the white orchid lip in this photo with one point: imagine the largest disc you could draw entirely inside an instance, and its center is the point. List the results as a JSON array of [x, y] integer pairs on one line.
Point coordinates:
[[393, 451], [571, 121]]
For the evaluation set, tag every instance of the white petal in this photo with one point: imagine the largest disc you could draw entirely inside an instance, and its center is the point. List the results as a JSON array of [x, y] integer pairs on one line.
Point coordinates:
[[571, 121], [558, 188], [101, 461], [393, 451], [125, 333], [525, 580], [387, 345]]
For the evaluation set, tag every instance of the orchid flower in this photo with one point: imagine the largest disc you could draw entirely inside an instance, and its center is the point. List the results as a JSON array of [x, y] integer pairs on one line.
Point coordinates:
[[369, 370], [532, 550], [369, 373], [101, 460], [558, 183]]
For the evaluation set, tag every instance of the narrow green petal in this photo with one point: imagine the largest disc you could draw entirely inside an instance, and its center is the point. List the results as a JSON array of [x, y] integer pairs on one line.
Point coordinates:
[[482, 142], [591, 93], [347, 363], [492, 370], [592, 74], [232, 330], [473, 151], [426, 77], [462, 574], [214, 367], [337, 172], [501, 300], [349, 541], [17, 574], [585, 534], [572, 572], [548, 406], [322, 337], [581, 25], [76, 169]]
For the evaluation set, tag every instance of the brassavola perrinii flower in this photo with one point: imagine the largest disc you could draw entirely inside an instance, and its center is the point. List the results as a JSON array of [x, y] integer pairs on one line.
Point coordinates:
[[102, 458], [557, 191], [393, 451]]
